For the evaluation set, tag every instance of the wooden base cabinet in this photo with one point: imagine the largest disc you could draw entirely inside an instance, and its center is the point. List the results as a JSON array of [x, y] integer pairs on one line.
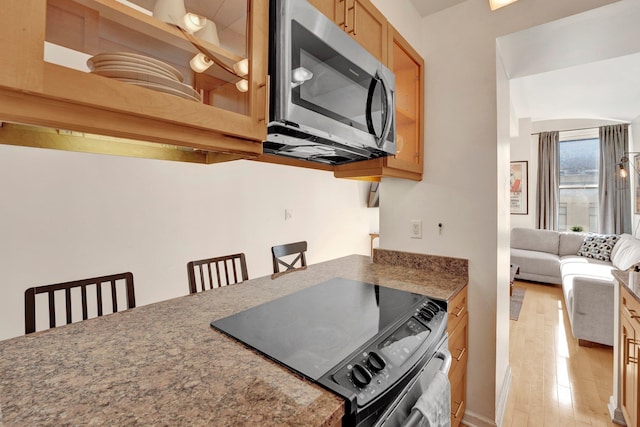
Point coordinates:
[[457, 328], [629, 343], [45, 44]]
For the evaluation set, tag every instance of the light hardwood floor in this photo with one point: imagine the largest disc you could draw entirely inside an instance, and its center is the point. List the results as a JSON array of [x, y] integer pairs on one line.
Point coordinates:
[[555, 382]]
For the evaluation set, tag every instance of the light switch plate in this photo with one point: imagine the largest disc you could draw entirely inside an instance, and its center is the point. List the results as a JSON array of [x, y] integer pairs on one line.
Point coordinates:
[[416, 229]]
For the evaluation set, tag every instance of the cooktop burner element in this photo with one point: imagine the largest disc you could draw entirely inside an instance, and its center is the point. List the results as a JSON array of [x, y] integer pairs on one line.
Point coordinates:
[[357, 339]]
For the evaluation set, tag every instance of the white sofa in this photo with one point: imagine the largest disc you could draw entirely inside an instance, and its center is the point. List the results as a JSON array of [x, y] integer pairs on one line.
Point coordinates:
[[587, 283]]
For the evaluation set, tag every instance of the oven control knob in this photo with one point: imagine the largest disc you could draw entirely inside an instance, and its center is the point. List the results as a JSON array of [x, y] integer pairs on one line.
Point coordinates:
[[375, 362], [361, 376]]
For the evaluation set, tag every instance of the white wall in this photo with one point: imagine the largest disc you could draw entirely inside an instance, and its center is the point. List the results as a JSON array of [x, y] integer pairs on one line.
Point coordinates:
[[465, 181], [67, 216]]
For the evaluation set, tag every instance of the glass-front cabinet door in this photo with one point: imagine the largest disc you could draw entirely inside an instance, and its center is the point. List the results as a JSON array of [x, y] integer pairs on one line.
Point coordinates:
[[408, 67], [188, 73]]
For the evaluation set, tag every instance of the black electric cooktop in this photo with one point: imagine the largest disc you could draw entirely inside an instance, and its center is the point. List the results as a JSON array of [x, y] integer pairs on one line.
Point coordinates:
[[313, 330]]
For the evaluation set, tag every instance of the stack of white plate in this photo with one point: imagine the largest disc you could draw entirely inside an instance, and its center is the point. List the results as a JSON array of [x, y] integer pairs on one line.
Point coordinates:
[[142, 71]]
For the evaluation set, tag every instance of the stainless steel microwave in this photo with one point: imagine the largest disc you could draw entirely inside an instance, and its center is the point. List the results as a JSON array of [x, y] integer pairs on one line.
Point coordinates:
[[331, 100]]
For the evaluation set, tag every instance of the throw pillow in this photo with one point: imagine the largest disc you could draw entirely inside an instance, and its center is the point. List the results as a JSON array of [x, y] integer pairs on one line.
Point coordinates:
[[626, 252], [598, 246]]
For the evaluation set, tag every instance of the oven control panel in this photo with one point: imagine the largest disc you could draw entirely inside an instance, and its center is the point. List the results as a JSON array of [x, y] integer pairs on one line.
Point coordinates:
[[383, 362]]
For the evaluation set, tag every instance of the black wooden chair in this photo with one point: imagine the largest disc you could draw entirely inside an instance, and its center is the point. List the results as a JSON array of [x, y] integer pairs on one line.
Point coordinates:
[[216, 272], [95, 285], [280, 251]]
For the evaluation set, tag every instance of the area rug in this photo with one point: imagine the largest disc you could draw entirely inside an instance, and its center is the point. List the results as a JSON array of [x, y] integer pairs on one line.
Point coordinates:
[[516, 303]]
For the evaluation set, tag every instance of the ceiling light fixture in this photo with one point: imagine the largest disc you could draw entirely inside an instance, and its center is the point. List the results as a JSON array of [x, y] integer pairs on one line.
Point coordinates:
[[241, 67], [200, 63], [242, 85], [193, 22], [497, 4]]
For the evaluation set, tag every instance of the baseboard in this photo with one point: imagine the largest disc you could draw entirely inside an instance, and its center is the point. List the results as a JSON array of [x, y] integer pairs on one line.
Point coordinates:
[[501, 407], [615, 413], [471, 419]]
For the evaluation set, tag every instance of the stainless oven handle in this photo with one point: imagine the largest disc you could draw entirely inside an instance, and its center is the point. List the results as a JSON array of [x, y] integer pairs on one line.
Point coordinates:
[[446, 358], [415, 417], [390, 110], [414, 420]]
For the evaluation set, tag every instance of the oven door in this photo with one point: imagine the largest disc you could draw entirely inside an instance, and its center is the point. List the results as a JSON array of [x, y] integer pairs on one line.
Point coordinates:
[[328, 82], [399, 412]]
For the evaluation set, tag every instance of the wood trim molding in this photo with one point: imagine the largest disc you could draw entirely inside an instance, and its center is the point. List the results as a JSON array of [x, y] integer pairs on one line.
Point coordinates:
[[41, 111], [270, 158]]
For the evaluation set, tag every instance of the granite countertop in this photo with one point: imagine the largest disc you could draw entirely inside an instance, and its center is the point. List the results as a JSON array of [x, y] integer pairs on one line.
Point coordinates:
[[162, 364]]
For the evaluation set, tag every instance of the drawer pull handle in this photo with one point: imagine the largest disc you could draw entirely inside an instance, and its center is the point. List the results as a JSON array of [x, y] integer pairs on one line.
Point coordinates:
[[462, 352], [631, 313], [460, 310], [455, 414]]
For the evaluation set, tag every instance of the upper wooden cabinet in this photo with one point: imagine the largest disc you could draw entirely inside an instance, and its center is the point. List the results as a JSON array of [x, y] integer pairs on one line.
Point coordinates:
[[360, 19], [408, 163], [328, 7], [44, 81]]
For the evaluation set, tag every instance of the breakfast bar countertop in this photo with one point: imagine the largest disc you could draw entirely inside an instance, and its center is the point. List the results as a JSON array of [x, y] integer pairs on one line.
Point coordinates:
[[163, 364]]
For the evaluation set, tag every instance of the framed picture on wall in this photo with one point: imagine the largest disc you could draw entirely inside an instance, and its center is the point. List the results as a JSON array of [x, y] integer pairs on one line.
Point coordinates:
[[636, 163], [519, 183]]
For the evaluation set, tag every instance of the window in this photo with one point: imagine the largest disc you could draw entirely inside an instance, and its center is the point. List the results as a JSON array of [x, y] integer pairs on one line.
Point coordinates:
[[579, 158]]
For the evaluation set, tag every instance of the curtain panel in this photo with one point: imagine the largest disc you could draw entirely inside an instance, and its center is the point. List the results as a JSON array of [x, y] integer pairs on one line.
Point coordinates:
[[548, 180], [614, 198]]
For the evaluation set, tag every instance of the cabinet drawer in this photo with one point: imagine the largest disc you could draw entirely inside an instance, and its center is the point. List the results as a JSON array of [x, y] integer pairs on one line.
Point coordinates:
[[629, 306], [458, 340], [458, 403], [457, 310]]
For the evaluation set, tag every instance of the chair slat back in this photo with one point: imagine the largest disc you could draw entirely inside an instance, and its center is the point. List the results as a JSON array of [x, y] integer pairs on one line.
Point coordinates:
[[114, 280], [216, 272], [280, 251]]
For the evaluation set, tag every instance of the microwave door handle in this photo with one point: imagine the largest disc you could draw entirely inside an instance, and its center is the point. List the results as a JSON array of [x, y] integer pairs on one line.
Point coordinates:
[[380, 139], [389, 113], [369, 113]]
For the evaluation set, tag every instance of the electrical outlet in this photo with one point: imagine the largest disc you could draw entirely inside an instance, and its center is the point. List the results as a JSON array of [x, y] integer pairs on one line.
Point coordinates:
[[288, 214], [416, 229]]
